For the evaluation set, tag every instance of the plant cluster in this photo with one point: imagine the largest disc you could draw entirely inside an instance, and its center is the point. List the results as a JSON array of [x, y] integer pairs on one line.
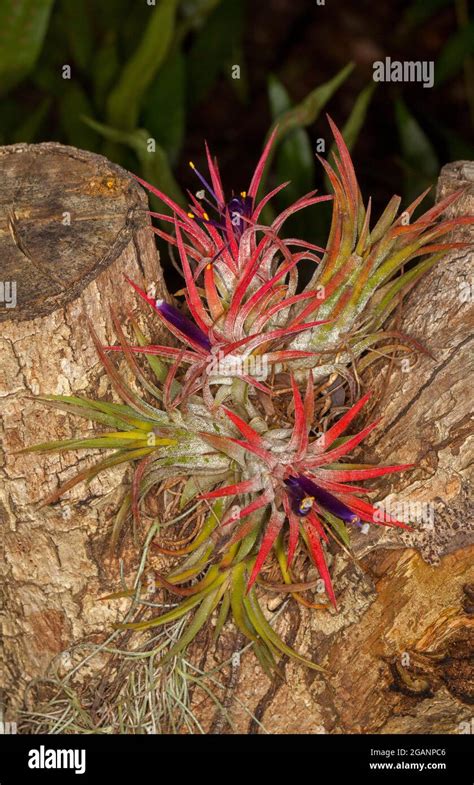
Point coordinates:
[[251, 404]]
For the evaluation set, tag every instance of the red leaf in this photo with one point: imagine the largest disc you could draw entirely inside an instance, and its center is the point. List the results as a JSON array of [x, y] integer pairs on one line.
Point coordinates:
[[339, 427], [215, 177], [195, 305], [271, 533], [351, 475], [294, 523], [317, 555], [246, 430], [313, 519], [246, 486], [299, 437], [343, 449], [257, 504], [254, 185]]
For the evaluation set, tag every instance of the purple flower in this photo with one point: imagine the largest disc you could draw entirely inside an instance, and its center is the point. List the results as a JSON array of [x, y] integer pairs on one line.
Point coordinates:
[[240, 207], [185, 326], [304, 491]]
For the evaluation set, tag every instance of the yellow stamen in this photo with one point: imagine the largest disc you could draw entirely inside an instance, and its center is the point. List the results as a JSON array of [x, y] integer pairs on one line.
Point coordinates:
[[243, 193], [206, 217], [192, 165], [306, 503], [191, 215]]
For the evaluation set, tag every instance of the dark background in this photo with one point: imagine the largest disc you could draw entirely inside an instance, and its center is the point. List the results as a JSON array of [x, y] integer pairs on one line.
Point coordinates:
[[286, 48]]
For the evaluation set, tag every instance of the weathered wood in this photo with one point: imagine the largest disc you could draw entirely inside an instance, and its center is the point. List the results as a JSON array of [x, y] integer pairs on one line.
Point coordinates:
[[71, 225]]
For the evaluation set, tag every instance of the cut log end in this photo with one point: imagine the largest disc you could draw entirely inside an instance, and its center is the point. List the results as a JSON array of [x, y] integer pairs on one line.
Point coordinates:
[[65, 216]]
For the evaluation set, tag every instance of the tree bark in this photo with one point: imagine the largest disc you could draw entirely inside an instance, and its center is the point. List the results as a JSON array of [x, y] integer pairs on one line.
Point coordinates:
[[71, 225]]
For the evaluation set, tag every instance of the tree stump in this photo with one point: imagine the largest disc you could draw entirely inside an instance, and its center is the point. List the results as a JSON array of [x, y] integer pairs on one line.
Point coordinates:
[[400, 647], [71, 225]]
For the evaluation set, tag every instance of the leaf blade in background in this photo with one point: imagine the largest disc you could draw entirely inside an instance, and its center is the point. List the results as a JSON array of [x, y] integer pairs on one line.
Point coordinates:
[[421, 10], [73, 104], [168, 90], [27, 131], [303, 114], [295, 160], [123, 105], [308, 110], [420, 161], [210, 51], [354, 123], [77, 29], [155, 166], [454, 53], [105, 67], [23, 26]]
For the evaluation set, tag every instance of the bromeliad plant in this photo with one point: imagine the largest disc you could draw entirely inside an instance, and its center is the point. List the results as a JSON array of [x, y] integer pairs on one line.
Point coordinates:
[[257, 447], [250, 275]]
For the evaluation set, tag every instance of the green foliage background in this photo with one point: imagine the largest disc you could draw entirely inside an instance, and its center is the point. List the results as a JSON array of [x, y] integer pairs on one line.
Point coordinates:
[[144, 70]]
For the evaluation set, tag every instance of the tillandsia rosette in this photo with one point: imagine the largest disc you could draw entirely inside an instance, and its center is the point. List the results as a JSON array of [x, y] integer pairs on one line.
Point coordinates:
[[236, 408]]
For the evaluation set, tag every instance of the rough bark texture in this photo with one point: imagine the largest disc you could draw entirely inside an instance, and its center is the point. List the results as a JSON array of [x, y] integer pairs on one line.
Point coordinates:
[[71, 225], [400, 650]]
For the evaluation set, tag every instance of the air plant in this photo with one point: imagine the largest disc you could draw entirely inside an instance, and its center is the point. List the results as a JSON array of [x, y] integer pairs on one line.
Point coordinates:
[[264, 470], [250, 275]]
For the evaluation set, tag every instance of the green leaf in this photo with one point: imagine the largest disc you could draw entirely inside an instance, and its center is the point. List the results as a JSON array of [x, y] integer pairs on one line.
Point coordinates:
[[295, 157], [419, 158], [421, 10], [210, 52], [304, 113], [123, 106], [355, 121], [176, 613], [269, 635], [155, 166], [278, 97], [451, 60], [339, 527], [98, 442], [237, 595], [165, 111], [88, 474], [77, 28], [200, 618], [23, 25], [221, 617], [105, 68], [29, 128], [158, 367], [402, 285], [114, 414], [416, 147], [73, 104], [308, 110]]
